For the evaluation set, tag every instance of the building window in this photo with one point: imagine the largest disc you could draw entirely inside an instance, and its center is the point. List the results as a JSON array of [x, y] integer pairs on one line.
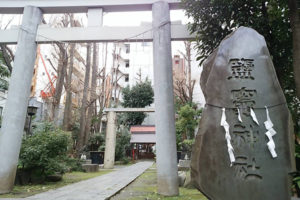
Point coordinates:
[[126, 77], [127, 63], [127, 46]]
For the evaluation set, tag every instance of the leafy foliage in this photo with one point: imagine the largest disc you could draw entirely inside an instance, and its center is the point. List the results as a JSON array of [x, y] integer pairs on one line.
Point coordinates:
[[186, 145], [122, 143], [139, 96], [40, 127], [186, 123], [4, 73], [296, 175], [73, 164], [213, 20], [45, 152], [95, 141]]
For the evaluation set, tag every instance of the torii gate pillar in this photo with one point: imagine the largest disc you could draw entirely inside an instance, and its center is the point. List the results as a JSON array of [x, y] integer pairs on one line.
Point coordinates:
[[110, 141], [166, 154], [17, 101]]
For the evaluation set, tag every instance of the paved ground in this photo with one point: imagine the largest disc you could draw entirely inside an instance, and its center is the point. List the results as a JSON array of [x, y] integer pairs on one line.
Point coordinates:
[[145, 188], [99, 188]]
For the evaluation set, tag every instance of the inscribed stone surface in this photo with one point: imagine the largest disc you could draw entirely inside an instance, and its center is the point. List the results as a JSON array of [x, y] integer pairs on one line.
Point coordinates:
[[240, 74]]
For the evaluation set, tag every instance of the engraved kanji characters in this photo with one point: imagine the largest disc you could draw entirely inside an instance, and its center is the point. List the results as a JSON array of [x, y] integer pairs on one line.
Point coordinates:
[[241, 68], [244, 99], [244, 136], [247, 168]]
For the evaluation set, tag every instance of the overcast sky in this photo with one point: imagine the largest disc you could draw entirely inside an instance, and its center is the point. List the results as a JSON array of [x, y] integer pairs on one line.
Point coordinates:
[[135, 18]]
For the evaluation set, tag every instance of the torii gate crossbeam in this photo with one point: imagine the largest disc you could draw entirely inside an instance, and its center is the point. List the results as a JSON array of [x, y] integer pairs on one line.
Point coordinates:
[[47, 34], [77, 6]]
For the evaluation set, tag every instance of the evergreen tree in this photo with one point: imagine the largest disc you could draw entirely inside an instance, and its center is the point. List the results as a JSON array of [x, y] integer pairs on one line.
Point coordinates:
[[213, 20], [139, 96]]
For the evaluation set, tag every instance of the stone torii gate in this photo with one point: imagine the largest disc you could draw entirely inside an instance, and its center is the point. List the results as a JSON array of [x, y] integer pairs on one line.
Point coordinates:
[[29, 33], [110, 140]]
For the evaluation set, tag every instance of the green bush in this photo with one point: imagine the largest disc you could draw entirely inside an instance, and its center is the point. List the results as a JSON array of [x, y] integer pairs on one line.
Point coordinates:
[[296, 175], [186, 123], [75, 128], [73, 164], [122, 143], [45, 152], [95, 141], [102, 147], [187, 145], [40, 127], [138, 96], [125, 160]]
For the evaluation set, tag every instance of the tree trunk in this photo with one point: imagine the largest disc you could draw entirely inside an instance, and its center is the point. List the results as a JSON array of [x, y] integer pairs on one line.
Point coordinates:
[[295, 25], [81, 137], [61, 73], [93, 97], [103, 91], [188, 58], [68, 104], [184, 87]]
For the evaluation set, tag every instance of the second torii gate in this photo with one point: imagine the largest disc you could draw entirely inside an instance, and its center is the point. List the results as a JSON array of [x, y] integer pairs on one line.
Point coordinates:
[[110, 140], [29, 33]]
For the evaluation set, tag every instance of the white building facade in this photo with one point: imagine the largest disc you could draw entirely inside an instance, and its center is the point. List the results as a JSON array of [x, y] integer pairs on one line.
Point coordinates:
[[134, 62]]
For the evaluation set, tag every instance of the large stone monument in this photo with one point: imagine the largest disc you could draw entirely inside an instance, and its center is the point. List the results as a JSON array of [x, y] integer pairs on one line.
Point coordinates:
[[244, 147]]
